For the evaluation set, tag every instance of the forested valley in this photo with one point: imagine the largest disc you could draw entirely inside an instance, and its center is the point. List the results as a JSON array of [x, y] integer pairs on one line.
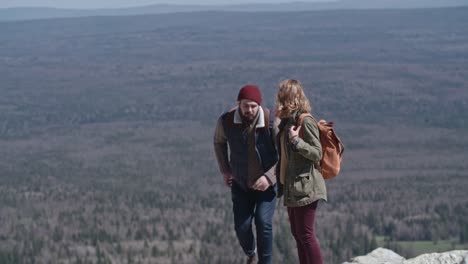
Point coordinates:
[[106, 130]]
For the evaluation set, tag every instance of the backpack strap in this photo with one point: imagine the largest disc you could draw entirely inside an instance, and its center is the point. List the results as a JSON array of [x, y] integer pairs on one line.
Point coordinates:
[[266, 114], [300, 120]]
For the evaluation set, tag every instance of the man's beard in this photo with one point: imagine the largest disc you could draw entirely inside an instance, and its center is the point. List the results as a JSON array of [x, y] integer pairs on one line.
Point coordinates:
[[249, 118]]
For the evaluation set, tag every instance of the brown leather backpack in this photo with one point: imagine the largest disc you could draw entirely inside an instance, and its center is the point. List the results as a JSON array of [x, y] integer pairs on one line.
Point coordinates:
[[332, 148]]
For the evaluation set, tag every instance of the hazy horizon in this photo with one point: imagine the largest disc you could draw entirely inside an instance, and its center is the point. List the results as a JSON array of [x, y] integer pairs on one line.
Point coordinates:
[[90, 4]]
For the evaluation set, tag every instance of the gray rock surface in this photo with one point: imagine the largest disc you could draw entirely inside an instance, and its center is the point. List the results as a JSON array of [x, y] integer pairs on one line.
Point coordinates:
[[378, 256], [451, 257], [386, 256]]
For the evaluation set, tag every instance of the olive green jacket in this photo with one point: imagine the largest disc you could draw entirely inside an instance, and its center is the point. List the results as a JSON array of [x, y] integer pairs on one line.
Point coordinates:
[[303, 183]]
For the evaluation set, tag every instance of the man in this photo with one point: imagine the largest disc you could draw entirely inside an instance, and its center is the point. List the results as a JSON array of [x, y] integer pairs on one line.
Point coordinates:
[[249, 170]]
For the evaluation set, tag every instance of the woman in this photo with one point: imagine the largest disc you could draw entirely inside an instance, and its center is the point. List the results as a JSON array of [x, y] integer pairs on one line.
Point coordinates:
[[302, 184]]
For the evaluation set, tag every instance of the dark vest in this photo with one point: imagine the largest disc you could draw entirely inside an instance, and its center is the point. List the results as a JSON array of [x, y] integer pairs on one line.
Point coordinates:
[[237, 139]]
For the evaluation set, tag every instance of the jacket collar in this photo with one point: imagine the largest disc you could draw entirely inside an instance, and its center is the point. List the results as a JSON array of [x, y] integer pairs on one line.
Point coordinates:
[[292, 119], [260, 120]]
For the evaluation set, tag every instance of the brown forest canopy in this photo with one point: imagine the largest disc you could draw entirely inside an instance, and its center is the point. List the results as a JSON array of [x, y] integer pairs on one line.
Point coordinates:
[[106, 130]]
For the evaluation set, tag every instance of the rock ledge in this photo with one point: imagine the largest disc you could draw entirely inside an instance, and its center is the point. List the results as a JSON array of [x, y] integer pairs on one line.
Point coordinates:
[[386, 256]]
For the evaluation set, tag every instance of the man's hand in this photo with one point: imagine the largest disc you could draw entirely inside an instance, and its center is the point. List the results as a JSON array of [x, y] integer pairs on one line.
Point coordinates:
[[261, 184], [227, 179]]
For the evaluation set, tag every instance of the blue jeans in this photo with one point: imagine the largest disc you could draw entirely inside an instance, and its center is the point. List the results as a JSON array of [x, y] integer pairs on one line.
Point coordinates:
[[248, 205]]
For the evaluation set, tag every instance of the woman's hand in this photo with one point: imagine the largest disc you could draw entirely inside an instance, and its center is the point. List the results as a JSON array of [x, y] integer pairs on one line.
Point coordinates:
[[325, 123], [294, 133]]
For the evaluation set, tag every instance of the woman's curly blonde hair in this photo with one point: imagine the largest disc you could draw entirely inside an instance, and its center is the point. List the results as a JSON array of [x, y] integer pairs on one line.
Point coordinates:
[[291, 99]]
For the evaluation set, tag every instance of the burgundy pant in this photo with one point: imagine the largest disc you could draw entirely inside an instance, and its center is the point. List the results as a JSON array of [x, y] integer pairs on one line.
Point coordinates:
[[302, 227]]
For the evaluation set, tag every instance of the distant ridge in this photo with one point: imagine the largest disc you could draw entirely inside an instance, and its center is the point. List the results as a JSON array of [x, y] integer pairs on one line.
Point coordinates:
[[27, 13]]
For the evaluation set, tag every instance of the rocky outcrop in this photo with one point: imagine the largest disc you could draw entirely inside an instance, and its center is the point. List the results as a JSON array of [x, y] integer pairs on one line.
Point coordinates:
[[386, 256]]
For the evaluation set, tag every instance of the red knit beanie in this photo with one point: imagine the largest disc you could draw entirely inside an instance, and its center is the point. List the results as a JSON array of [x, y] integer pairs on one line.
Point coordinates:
[[251, 92]]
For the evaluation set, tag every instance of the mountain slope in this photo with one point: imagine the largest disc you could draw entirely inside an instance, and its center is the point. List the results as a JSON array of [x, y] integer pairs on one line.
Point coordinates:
[[25, 13]]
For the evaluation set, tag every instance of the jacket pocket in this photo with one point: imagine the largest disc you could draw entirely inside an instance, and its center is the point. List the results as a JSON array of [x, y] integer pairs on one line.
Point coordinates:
[[302, 185]]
